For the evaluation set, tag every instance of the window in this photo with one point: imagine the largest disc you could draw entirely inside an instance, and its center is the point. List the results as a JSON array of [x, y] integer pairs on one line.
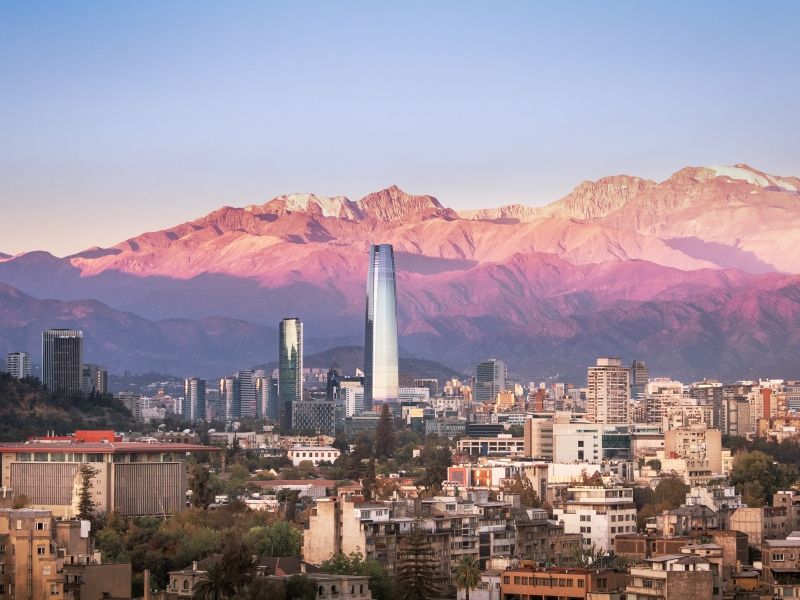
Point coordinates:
[[40, 550], [777, 556], [40, 525], [54, 589]]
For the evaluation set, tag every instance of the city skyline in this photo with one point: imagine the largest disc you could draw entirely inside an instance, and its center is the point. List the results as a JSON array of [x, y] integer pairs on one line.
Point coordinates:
[[124, 118]]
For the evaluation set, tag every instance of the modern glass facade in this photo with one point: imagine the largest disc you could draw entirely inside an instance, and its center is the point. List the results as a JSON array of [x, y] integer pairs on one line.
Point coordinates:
[[290, 368], [380, 340], [62, 358], [194, 400]]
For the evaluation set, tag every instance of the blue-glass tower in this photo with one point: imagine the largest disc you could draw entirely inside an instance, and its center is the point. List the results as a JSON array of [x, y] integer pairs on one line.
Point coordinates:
[[380, 340]]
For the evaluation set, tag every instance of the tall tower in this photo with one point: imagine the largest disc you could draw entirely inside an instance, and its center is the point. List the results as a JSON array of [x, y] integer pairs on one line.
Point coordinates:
[[194, 400], [609, 392], [247, 393], [490, 380], [290, 368], [62, 358], [380, 339], [18, 365]]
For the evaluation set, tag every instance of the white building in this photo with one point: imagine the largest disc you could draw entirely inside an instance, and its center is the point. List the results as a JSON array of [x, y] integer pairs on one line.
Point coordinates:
[[608, 395], [413, 394], [312, 454], [598, 513], [18, 365], [353, 398]]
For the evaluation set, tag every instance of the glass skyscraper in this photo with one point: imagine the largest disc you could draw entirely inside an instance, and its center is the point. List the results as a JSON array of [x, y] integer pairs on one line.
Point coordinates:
[[290, 368], [194, 400], [380, 339], [62, 358]]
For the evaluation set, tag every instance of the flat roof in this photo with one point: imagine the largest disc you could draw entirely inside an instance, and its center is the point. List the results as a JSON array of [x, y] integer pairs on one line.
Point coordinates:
[[105, 447]]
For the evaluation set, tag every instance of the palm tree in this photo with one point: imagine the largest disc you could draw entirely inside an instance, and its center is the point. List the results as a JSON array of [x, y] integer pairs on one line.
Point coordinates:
[[468, 573], [216, 584]]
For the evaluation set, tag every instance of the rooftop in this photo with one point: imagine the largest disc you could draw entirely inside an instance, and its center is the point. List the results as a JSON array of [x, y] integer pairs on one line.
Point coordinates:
[[104, 447]]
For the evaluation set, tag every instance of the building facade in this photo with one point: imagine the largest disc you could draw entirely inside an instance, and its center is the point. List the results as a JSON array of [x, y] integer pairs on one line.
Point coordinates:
[[194, 400], [18, 365], [381, 367], [490, 380], [290, 368], [608, 394], [62, 359]]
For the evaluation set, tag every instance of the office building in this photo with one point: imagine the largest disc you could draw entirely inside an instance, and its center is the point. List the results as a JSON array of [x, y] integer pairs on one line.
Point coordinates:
[[490, 380], [267, 397], [640, 377], [352, 396], [314, 416], [381, 373], [608, 392], [62, 358], [230, 399], [247, 393], [94, 379], [133, 402], [18, 365], [431, 384], [194, 400], [290, 368]]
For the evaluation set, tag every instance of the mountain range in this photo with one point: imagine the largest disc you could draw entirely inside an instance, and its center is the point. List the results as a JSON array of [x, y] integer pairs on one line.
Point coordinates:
[[699, 275]]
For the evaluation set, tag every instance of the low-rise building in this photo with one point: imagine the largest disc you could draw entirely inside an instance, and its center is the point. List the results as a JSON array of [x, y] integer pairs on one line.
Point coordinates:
[[672, 577], [553, 582], [312, 454]]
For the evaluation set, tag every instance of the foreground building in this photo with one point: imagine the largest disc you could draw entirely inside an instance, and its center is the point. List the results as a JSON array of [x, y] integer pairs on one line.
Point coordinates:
[[135, 478], [598, 513]]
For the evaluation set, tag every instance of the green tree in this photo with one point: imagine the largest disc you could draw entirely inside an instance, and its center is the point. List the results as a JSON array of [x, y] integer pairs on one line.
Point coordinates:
[[215, 584], [86, 505], [435, 462], [369, 481], [278, 539], [671, 492], [237, 560], [654, 464], [758, 475], [523, 487], [385, 444], [266, 589], [288, 502], [200, 484], [300, 587], [468, 574], [417, 569]]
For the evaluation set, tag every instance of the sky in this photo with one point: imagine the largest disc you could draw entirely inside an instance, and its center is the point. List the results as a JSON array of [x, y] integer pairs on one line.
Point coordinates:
[[123, 117]]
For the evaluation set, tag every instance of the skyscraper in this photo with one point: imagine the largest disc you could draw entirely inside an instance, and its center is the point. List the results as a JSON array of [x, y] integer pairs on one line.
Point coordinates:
[[640, 377], [609, 391], [194, 400], [247, 393], [94, 378], [490, 380], [62, 357], [230, 399], [290, 368], [381, 377], [18, 364]]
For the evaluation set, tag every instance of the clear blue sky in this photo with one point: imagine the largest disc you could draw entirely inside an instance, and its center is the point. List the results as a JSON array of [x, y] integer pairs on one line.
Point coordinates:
[[122, 117]]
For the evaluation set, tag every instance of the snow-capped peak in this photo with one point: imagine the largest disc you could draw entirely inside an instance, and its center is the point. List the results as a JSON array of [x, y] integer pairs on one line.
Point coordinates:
[[750, 175]]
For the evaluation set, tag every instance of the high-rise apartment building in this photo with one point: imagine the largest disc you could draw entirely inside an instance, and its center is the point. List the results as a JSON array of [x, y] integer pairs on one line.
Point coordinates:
[[266, 396], [133, 402], [18, 365], [290, 368], [94, 379], [381, 372], [490, 380], [62, 358], [247, 393], [194, 400], [608, 392], [230, 399]]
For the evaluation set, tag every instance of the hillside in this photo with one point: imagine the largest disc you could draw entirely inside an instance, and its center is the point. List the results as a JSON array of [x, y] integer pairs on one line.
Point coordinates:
[[26, 409]]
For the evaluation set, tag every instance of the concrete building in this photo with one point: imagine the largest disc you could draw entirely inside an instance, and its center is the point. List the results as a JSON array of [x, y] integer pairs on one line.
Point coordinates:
[[94, 379], [608, 394], [247, 393], [672, 577], [503, 444], [313, 454], [134, 478], [540, 540], [193, 408], [696, 442], [18, 364], [315, 416], [590, 442], [578, 584], [133, 402], [781, 566], [598, 513], [62, 358], [538, 438]]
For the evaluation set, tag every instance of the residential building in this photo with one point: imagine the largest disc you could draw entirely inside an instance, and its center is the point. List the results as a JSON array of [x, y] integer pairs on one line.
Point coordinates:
[[608, 394], [672, 577], [62, 358], [696, 442], [133, 402], [230, 399], [503, 444], [538, 437], [290, 368], [94, 379], [381, 372], [544, 542], [18, 365], [247, 393], [490, 380], [558, 583], [598, 513], [781, 566], [640, 377], [431, 384]]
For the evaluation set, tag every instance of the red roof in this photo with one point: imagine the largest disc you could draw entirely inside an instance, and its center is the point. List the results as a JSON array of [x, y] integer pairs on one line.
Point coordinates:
[[104, 448]]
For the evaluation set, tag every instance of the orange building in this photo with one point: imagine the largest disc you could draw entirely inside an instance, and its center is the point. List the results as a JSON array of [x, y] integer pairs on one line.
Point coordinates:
[[558, 584]]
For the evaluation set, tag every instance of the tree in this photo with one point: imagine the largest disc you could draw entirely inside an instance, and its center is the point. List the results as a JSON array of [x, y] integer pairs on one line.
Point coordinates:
[[435, 462], [199, 483], [757, 476], [288, 500], [237, 560], [86, 505], [523, 487], [266, 589], [654, 464], [368, 483], [417, 569], [281, 538], [215, 584], [385, 444], [300, 587], [468, 573]]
